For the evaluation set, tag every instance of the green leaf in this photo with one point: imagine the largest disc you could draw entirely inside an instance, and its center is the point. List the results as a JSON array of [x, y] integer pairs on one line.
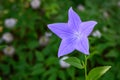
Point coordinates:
[[52, 77], [97, 72], [37, 69], [62, 75], [49, 73], [32, 44], [71, 72], [3, 46], [112, 54], [51, 61], [74, 62], [39, 56]]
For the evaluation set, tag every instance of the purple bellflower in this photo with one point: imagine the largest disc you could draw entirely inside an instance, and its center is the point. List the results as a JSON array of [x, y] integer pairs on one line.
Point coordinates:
[[73, 34]]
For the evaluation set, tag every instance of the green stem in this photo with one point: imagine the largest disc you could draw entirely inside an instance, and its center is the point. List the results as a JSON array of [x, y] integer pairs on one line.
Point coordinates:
[[85, 67]]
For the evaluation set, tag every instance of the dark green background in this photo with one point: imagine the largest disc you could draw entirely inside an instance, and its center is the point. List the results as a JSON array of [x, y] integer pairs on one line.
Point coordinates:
[[32, 61]]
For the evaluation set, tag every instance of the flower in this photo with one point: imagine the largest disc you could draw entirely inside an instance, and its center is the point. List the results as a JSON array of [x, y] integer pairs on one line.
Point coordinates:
[[43, 41], [105, 29], [35, 4], [97, 34], [10, 23], [81, 7], [63, 64], [9, 50], [106, 14], [118, 3], [48, 34], [8, 37], [73, 34]]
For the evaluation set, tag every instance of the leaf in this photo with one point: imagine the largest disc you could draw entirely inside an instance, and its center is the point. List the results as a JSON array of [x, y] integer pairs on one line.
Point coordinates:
[[3, 46], [112, 54], [52, 77], [32, 44], [49, 73], [62, 75], [37, 69], [71, 72], [39, 56], [97, 72], [51, 61], [74, 62]]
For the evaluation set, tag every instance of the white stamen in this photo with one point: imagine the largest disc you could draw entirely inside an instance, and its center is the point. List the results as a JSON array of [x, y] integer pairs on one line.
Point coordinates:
[[77, 35]]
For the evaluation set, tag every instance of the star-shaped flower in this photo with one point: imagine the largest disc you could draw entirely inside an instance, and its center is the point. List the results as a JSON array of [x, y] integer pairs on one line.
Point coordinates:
[[73, 34]]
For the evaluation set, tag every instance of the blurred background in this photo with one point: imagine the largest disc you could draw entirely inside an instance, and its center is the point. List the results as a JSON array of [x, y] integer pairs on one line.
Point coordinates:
[[28, 49]]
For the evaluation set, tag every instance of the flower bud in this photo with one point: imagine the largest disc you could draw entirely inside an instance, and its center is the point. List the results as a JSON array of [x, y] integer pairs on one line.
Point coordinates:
[[63, 64], [43, 41], [35, 4], [106, 14], [8, 37], [48, 34], [81, 7], [97, 34], [10, 23], [9, 50]]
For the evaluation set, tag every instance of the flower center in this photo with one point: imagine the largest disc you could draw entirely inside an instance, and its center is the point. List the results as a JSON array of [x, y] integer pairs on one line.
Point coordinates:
[[77, 35]]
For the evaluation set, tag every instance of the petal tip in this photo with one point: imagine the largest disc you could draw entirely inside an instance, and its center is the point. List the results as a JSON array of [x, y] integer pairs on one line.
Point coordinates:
[[70, 9], [48, 25], [94, 22]]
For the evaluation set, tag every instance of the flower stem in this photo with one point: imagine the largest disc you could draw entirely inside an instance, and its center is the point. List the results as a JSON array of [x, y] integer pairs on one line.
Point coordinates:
[[85, 67]]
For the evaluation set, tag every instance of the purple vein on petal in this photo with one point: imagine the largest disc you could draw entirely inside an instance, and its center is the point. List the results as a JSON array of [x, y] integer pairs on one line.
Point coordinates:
[[74, 19], [87, 27], [60, 29], [66, 47], [84, 47]]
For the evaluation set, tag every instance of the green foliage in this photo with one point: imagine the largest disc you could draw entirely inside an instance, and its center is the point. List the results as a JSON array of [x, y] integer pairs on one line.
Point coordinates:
[[34, 61], [75, 62], [97, 72]]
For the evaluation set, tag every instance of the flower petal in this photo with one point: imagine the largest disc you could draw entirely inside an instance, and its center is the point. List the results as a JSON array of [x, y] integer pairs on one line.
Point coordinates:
[[82, 45], [74, 19], [66, 47], [87, 27], [60, 29]]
